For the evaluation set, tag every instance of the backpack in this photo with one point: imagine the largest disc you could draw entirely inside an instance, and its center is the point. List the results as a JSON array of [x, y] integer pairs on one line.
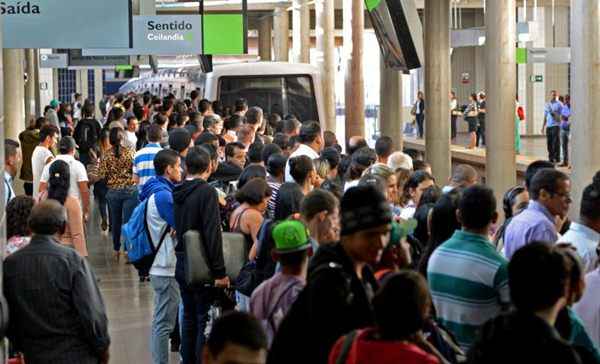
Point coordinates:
[[85, 136], [138, 242]]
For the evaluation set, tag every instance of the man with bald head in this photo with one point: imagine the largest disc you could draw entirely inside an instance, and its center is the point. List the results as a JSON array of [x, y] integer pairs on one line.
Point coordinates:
[[355, 143]]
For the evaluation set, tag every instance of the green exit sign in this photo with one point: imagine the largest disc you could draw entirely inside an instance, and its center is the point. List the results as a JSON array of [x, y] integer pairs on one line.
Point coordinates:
[[537, 78]]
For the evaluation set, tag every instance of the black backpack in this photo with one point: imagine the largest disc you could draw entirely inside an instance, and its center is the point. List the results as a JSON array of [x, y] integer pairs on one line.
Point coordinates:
[[85, 136]]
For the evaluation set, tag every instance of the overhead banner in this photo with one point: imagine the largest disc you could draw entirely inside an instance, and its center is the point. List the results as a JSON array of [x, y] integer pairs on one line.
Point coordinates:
[[66, 24], [76, 59], [161, 35], [55, 60]]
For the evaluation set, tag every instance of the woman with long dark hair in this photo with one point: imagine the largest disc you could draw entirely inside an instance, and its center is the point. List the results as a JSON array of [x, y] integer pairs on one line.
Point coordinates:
[[116, 166], [18, 234], [58, 189]]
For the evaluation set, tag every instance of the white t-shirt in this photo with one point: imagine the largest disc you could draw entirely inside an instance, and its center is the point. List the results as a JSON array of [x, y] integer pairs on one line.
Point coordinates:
[[130, 139], [302, 150], [76, 169], [38, 160]]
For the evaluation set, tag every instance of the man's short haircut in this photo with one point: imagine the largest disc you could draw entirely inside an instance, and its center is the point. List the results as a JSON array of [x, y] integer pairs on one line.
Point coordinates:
[[300, 167], [477, 207], [533, 168], [160, 119], [204, 105], [546, 179], [590, 199], [282, 140], [163, 159], [231, 147], [88, 109], [332, 156], [197, 161], [10, 148], [254, 115], [253, 192], [255, 152], [316, 201], [206, 138], [47, 217], [384, 146], [211, 150], [237, 328], [400, 160], [130, 118], [194, 94], [355, 144], [309, 132], [233, 122], [39, 122], [245, 131], [155, 133], [48, 130], [268, 151], [241, 104], [419, 165], [329, 138], [537, 276], [276, 164], [463, 173], [289, 126], [210, 121]]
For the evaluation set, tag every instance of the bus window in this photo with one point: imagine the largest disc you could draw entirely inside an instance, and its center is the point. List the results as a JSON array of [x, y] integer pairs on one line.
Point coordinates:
[[301, 98]]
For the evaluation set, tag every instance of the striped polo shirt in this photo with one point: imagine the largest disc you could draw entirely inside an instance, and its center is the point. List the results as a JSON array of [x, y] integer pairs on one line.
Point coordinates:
[[468, 281], [143, 162]]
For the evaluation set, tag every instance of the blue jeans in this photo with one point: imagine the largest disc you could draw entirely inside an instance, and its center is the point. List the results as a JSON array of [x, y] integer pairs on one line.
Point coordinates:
[[121, 204], [193, 318], [166, 304]]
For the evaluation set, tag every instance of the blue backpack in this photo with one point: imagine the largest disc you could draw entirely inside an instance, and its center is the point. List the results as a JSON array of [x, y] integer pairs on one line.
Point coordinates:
[[138, 242]]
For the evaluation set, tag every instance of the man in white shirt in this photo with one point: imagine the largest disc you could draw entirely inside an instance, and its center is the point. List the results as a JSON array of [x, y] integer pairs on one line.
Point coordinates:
[[311, 139], [584, 235], [77, 106], [12, 160], [78, 187], [130, 136], [42, 154]]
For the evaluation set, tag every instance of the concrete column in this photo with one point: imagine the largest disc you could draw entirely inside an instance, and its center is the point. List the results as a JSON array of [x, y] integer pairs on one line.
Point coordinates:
[[55, 83], [14, 93], [437, 88], [354, 25], [301, 31], [3, 353], [83, 79], [36, 77], [501, 79], [325, 28], [98, 90], [30, 85], [281, 25], [390, 104], [585, 86], [264, 38]]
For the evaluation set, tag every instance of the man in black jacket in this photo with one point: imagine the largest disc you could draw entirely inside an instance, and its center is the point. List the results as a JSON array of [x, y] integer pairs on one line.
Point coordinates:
[[196, 208], [337, 298]]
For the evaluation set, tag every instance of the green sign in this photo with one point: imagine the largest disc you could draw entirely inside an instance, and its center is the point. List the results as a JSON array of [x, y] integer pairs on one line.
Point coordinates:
[[125, 67], [224, 34], [521, 55], [537, 78], [372, 4]]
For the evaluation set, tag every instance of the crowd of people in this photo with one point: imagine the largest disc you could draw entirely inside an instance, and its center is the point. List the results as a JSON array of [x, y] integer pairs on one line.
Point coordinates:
[[351, 254]]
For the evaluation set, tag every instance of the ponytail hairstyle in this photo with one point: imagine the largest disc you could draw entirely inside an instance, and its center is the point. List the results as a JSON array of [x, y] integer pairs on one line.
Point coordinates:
[[590, 199], [116, 140], [59, 181]]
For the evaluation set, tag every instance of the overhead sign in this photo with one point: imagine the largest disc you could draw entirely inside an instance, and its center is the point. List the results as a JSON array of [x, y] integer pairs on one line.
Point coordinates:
[[76, 59], [161, 35], [549, 55], [56, 60], [66, 24]]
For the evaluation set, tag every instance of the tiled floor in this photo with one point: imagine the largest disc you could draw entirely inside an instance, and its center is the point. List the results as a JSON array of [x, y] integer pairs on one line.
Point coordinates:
[[128, 302]]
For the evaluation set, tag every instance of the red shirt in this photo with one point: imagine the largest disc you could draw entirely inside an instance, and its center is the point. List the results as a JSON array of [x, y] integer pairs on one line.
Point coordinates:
[[366, 350]]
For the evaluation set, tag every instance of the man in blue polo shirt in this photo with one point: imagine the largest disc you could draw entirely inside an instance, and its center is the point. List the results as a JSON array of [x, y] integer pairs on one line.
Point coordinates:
[[552, 116], [143, 161]]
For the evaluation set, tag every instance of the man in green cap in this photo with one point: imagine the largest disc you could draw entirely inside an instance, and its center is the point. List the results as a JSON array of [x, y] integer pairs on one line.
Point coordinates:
[[52, 113], [271, 300]]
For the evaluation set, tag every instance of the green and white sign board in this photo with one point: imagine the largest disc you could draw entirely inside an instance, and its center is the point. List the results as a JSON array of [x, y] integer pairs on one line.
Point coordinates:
[[65, 24], [161, 35]]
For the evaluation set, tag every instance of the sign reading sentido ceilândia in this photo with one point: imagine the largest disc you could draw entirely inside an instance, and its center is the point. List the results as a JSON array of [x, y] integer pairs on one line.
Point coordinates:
[[66, 24], [161, 35]]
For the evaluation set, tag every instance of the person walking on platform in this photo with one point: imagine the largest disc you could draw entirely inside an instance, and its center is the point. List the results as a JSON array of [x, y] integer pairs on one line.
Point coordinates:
[[519, 117], [552, 116], [419, 112], [481, 105], [454, 113], [471, 117], [565, 130]]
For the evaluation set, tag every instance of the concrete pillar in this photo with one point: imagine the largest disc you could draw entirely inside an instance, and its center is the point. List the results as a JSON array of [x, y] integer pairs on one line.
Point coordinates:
[[354, 25], [585, 86], [83, 83], [325, 28], [14, 93], [98, 90], [301, 31], [3, 353], [390, 104], [55, 83], [264, 38], [437, 88], [501, 79], [30, 85], [36, 78], [281, 25]]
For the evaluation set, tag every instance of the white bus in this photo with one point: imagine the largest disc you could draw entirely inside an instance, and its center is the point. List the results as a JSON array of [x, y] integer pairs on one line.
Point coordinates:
[[276, 87]]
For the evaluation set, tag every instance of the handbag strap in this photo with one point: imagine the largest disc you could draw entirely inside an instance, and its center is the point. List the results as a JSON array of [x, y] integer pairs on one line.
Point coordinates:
[[346, 346]]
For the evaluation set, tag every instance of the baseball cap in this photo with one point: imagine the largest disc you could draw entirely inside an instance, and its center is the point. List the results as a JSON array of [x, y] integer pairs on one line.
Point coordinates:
[[54, 103], [290, 236], [401, 230], [66, 144]]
